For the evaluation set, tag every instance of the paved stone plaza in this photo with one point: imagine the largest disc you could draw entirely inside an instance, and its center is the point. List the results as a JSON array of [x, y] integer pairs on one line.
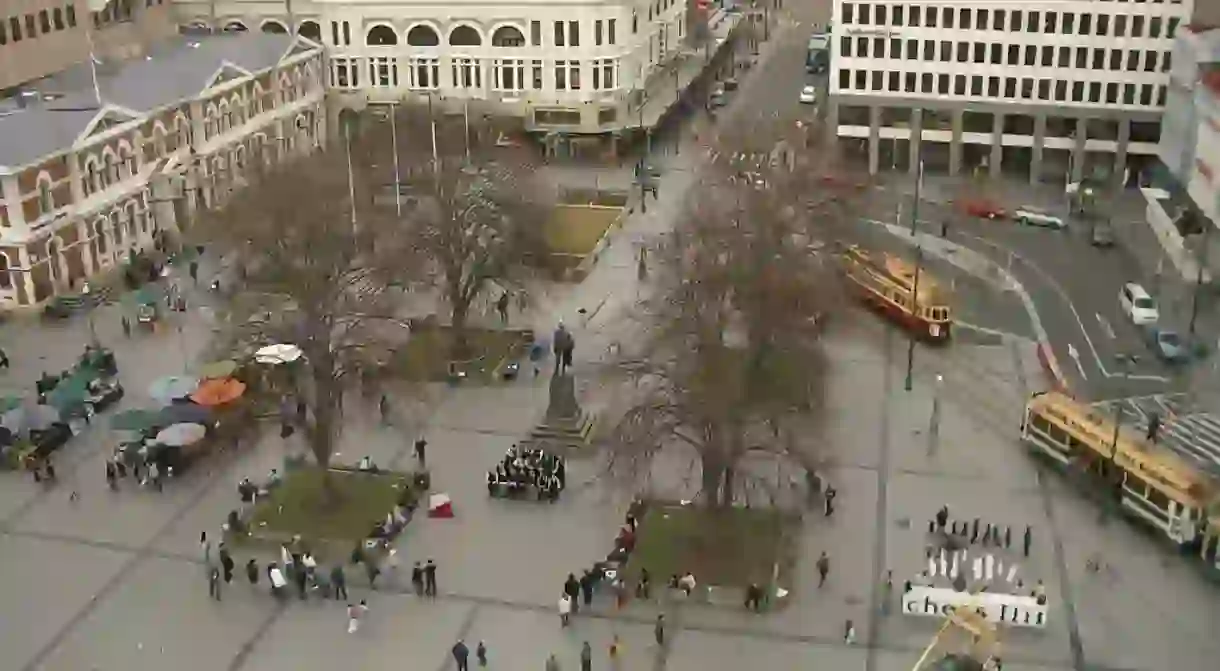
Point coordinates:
[[115, 582]]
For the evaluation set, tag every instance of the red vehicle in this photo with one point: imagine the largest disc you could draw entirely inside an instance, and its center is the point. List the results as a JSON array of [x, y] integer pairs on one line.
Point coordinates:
[[982, 208]]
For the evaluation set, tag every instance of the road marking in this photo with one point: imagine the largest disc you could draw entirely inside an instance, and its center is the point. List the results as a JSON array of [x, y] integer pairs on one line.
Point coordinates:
[[1105, 326], [1072, 352], [1146, 378], [990, 331]]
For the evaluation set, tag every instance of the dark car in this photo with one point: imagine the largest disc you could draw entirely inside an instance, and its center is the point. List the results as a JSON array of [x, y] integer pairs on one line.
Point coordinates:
[[1102, 235]]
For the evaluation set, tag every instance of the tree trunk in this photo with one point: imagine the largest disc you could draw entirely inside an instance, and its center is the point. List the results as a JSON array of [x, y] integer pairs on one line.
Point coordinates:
[[727, 487], [458, 316], [322, 434], [712, 477]]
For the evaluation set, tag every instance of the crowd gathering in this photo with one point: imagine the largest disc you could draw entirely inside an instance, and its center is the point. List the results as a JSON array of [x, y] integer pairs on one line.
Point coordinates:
[[526, 472]]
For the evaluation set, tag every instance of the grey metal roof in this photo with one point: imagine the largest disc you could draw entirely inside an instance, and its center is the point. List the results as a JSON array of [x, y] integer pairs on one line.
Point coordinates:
[[172, 71]]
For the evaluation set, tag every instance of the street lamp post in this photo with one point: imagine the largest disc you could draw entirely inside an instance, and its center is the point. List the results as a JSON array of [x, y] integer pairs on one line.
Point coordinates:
[[934, 420], [910, 382]]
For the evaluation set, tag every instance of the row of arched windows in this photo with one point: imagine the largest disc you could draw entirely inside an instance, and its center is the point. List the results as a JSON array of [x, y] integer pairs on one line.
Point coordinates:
[[382, 35]]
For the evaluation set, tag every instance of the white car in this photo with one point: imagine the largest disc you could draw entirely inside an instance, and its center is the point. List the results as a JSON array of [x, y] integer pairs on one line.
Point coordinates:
[[1139, 307], [809, 95]]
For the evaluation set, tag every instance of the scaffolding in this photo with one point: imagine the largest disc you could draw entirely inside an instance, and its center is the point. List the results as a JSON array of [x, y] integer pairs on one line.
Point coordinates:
[[966, 642]]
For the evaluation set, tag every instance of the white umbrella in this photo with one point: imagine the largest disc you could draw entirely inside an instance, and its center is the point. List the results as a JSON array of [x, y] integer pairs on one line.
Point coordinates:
[[278, 354], [181, 435]]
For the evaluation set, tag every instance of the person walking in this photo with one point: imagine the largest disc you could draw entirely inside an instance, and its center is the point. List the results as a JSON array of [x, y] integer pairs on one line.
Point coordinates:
[[823, 565], [572, 588], [942, 518], [829, 509], [480, 653], [338, 582], [126, 324], [112, 480], [226, 563], [502, 308], [421, 452], [214, 583], [552, 663], [565, 610], [205, 548], [383, 407], [417, 579], [430, 579], [354, 615], [252, 572], [461, 655], [1027, 540], [849, 633], [586, 657], [658, 630]]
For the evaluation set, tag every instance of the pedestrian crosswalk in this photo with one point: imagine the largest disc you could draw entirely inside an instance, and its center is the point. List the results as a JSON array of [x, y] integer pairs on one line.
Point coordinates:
[[1185, 429]]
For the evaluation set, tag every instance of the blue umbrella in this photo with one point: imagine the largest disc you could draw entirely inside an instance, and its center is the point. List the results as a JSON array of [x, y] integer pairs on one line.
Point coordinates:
[[173, 387]]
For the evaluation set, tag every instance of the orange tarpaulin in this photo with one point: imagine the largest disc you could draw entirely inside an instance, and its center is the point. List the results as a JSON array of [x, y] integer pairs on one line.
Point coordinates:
[[218, 392]]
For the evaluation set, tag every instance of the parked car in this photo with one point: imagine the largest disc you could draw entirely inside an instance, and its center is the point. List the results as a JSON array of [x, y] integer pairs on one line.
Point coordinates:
[[1031, 217], [1167, 345], [1102, 235], [982, 208], [1138, 305], [809, 95]]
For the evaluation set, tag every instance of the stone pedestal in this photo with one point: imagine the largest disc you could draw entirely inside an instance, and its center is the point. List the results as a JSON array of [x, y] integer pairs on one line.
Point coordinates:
[[566, 426]]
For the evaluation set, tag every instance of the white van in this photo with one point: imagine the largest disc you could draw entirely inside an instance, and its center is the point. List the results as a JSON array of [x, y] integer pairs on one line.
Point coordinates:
[[1138, 305], [1031, 217]]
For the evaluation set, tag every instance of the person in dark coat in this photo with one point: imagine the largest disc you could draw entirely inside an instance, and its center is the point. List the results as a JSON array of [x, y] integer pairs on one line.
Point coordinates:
[[226, 563], [252, 572], [572, 588], [461, 655], [417, 579], [338, 582], [301, 578]]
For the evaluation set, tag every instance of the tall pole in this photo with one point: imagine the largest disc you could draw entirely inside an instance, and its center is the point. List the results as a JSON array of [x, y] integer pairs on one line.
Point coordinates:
[[351, 178], [1201, 262], [397, 175], [909, 383], [466, 126], [934, 420]]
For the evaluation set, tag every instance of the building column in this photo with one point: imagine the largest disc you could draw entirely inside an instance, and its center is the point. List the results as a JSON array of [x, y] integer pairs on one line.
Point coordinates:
[[1078, 152], [1035, 163], [955, 144], [1120, 153], [26, 277], [874, 138], [915, 144], [997, 145]]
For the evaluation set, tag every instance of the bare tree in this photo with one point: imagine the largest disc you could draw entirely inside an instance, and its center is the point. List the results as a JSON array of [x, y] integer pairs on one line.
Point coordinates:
[[733, 364], [475, 214], [317, 261]]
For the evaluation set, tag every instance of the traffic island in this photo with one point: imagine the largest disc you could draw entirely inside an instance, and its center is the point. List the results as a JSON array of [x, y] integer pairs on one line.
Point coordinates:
[[332, 510], [725, 549]]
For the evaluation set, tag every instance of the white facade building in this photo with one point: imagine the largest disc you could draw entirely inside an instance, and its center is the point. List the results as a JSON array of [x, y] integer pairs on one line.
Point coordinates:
[[568, 65], [1060, 89]]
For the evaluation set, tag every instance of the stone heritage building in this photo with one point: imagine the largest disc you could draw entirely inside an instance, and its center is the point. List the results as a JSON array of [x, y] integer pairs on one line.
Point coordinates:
[[98, 158]]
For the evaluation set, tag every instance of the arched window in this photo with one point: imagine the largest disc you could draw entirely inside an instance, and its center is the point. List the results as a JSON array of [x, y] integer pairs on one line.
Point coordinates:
[[225, 118], [99, 236], [256, 96], [6, 277], [92, 181], [116, 223], [128, 158], [111, 173], [182, 129], [53, 257], [235, 27], [46, 198], [133, 213], [159, 139], [507, 36], [423, 36], [274, 28], [310, 30], [465, 36], [381, 36]]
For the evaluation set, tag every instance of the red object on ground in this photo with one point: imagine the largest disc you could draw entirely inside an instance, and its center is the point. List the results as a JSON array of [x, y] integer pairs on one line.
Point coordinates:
[[440, 506]]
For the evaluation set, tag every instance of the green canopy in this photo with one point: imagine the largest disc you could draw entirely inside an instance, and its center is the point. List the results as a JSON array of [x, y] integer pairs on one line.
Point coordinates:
[[70, 393], [10, 403], [135, 420], [148, 295]]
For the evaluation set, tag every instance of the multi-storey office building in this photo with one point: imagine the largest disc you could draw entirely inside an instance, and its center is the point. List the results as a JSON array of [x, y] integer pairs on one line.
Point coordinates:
[[568, 65], [90, 173], [1057, 89], [41, 37]]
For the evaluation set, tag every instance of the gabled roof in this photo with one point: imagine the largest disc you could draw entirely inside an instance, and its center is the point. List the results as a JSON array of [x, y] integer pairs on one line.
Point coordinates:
[[176, 70]]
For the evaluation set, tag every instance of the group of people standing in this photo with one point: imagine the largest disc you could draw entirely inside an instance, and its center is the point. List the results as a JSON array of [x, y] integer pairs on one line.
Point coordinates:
[[528, 469], [977, 532]]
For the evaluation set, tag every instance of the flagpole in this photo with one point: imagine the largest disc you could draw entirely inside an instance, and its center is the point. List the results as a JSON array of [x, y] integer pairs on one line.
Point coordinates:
[[351, 180], [97, 91], [466, 123], [397, 175]]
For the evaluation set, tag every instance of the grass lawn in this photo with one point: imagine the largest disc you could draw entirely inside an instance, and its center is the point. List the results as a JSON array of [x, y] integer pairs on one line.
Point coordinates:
[[725, 548], [576, 229], [296, 507], [426, 355]]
